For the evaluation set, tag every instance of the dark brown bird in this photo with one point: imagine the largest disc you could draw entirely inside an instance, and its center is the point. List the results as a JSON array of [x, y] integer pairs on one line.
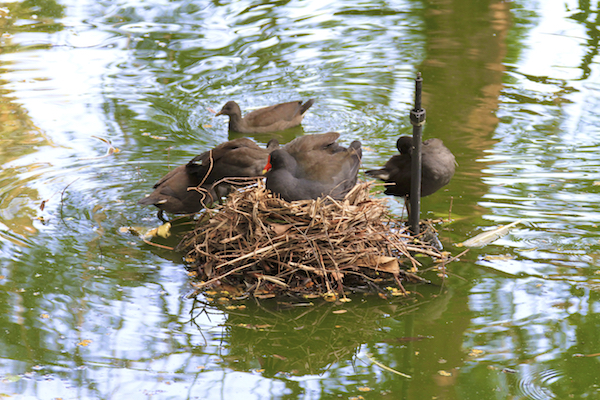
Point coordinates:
[[268, 119], [233, 159], [313, 166], [437, 163]]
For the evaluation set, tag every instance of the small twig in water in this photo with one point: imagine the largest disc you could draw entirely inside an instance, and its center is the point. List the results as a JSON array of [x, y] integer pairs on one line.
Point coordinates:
[[380, 365]]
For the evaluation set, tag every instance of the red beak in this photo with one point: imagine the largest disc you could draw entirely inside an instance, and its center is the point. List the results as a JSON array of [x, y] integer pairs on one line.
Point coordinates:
[[267, 167]]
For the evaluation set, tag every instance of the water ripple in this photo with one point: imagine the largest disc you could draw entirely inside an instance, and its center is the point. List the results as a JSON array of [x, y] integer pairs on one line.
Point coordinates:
[[537, 386]]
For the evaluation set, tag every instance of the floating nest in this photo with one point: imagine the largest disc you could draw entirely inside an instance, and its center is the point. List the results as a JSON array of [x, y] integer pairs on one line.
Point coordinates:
[[264, 246]]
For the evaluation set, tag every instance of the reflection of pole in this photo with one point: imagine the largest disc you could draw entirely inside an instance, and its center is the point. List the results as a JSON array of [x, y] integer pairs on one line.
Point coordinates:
[[417, 119], [409, 351]]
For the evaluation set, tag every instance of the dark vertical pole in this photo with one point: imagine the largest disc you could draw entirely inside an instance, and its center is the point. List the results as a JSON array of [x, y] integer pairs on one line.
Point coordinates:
[[417, 119]]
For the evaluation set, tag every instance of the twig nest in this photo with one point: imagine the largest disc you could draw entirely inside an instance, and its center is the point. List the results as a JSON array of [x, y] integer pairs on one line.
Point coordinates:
[[262, 244]]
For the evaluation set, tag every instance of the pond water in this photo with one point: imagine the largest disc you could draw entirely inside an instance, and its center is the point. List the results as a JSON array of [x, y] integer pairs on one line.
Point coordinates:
[[90, 311]]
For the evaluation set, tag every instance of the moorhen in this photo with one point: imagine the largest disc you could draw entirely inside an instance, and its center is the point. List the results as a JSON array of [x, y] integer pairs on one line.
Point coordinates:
[[268, 119], [437, 165], [313, 166], [236, 158]]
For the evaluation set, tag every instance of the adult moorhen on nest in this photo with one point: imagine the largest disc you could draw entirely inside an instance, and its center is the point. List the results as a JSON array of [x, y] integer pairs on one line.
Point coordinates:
[[313, 166], [268, 119], [236, 158], [437, 163]]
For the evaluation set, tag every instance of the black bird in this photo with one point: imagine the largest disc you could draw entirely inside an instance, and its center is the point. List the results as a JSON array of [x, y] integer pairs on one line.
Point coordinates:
[[437, 163], [313, 166], [233, 159]]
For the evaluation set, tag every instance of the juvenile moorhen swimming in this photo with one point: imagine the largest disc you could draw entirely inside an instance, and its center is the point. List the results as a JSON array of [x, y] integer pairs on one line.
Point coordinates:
[[313, 166], [437, 163], [268, 119], [236, 158]]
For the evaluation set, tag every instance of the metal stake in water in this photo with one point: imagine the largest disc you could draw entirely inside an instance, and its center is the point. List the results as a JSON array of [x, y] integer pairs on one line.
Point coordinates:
[[417, 119]]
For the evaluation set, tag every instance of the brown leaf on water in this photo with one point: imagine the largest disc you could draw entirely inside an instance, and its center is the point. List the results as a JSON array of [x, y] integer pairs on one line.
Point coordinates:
[[381, 263]]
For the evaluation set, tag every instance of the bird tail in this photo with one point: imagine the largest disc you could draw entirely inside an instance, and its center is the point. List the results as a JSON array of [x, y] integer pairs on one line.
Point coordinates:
[[306, 106], [378, 174]]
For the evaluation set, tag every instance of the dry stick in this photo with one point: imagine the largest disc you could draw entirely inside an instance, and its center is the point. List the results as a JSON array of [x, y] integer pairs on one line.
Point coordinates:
[[450, 209], [424, 251], [322, 264], [380, 365], [62, 218], [254, 253], [337, 277], [443, 264], [200, 189], [157, 245], [203, 284], [400, 284]]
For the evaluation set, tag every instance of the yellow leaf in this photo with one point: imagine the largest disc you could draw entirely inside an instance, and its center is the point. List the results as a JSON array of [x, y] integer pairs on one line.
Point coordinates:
[[475, 352], [164, 230], [498, 257], [329, 296]]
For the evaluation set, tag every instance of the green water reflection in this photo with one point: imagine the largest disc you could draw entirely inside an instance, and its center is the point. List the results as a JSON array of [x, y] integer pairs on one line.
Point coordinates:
[[90, 311]]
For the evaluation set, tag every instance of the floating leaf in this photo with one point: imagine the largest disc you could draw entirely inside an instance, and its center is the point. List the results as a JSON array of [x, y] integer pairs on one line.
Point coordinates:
[[499, 257], [163, 231], [488, 237], [475, 352], [330, 297]]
